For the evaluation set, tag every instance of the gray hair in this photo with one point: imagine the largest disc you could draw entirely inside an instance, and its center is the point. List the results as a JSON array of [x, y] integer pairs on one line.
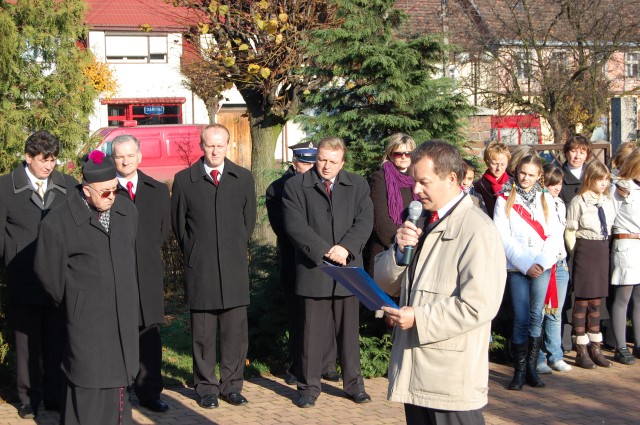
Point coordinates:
[[124, 138]]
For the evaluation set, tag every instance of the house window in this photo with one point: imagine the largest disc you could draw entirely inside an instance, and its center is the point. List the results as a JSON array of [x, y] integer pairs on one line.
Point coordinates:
[[631, 61], [136, 48], [524, 65], [558, 60], [145, 113]]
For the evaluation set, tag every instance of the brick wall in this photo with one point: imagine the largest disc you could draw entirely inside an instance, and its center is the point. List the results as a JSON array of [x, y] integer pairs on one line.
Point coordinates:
[[477, 133]]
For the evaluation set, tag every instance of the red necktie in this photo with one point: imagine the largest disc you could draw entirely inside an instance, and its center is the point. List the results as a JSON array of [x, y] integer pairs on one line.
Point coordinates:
[[214, 176], [327, 187], [130, 190], [434, 217]]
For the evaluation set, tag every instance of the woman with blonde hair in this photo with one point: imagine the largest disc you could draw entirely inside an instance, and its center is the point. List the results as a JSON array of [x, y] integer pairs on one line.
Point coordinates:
[[530, 234], [625, 276], [391, 193]]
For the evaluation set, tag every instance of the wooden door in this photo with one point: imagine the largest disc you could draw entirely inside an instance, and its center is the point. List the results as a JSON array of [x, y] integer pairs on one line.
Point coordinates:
[[237, 121]]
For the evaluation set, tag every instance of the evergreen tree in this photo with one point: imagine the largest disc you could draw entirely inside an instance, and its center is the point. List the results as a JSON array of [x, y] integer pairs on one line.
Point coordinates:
[[43, 85], [378, 84]]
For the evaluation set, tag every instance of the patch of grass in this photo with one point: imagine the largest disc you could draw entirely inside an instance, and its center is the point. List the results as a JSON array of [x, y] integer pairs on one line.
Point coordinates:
[[177, 365]]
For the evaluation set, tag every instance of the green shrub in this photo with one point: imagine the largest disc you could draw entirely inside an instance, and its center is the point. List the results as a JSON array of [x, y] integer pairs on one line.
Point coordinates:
[[375, 353]]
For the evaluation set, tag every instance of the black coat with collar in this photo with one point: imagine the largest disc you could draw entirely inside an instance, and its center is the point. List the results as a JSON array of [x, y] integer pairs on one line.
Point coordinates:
[[213, 226], [21, 211], [93, 273], [276, 219], [154, 221], [570, 184], [315, 224]]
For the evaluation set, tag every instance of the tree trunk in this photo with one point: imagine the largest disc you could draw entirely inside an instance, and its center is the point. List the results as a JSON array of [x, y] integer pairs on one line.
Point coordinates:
[[264, 136], [557, 128]]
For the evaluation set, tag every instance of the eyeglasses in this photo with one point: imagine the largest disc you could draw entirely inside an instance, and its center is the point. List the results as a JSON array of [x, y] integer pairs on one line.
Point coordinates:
[[401, 154], [105, 193]]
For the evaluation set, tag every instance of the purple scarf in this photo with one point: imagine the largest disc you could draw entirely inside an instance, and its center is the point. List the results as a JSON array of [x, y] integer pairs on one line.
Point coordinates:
[[395, 181]]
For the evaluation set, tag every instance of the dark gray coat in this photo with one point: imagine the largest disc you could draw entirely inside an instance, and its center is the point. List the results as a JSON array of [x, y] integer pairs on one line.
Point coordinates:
[[93, 274], [315, 224], [154, 222], [276, 219], [21, 211], [570, 184], [213, 226]]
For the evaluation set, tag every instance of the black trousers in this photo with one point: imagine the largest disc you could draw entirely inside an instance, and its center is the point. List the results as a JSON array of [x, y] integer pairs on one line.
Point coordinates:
[[40, 332], [417, 415], [294, 308], [234, 343], [317, 313], [148, 383], [96, 406]]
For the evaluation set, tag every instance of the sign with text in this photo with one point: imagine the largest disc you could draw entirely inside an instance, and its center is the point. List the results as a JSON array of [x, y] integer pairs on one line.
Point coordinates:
[[154, 110]]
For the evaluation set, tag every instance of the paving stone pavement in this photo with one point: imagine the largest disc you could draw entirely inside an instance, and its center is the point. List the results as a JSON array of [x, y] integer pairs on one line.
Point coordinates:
[[594, 397]]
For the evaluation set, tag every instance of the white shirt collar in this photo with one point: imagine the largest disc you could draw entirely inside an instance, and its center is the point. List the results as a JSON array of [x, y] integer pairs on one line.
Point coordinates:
[[33, 179], [444, 210], [208, 170], [123, 181]]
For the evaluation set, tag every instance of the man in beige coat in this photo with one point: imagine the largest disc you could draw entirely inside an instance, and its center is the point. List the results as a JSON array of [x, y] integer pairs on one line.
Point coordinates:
[[449, 294]]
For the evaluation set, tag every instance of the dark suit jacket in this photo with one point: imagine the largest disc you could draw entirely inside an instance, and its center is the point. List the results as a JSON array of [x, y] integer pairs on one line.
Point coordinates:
[[213, 226], [93, 273], [276, 218], [570, 185], [154, 222], [21, 211], [314, 224]]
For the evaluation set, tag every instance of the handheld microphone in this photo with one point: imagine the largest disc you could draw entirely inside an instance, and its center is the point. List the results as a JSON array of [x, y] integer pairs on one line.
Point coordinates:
[[415, 211]]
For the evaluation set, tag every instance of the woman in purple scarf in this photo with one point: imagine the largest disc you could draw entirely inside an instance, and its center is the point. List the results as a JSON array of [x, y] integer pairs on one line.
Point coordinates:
[[391, 193]]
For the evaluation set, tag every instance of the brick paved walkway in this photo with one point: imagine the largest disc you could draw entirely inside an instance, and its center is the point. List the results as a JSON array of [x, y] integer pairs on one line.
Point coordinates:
[[601, 396]]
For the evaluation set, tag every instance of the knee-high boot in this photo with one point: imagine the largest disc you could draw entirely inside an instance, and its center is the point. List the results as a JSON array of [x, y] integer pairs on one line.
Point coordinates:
[[519, 352], [532, 362]]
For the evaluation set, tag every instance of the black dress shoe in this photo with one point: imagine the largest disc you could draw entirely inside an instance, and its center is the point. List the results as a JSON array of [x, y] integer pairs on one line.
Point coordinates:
[[210, 401], [235, 398], [26, 412], [362, 397], [157, 405], [290, 379], [332, 377], [306, 401]]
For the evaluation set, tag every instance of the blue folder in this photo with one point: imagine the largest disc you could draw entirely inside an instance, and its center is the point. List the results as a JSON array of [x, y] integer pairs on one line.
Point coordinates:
[[360, 284]]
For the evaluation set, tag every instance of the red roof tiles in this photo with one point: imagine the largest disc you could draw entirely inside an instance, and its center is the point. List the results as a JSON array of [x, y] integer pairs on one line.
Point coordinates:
[[133, 14]]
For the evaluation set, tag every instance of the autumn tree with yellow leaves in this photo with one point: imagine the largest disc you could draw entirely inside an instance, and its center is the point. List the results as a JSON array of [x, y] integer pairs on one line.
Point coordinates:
[[101, 77], [256, 46]]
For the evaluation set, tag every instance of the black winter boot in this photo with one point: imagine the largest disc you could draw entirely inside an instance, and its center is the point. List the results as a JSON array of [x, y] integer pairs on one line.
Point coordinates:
[[532, 362], [519, 352]]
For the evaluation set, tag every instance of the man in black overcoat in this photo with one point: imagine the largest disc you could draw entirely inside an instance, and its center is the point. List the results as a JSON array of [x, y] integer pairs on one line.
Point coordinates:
[[213, 211], [85, 259], [154, 221], [304, 159], [27, 194], [328, 215]]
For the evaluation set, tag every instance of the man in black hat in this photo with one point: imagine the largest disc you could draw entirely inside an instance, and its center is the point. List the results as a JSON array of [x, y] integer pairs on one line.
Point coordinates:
[[85, 258], [304, 159], [27, 194]]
